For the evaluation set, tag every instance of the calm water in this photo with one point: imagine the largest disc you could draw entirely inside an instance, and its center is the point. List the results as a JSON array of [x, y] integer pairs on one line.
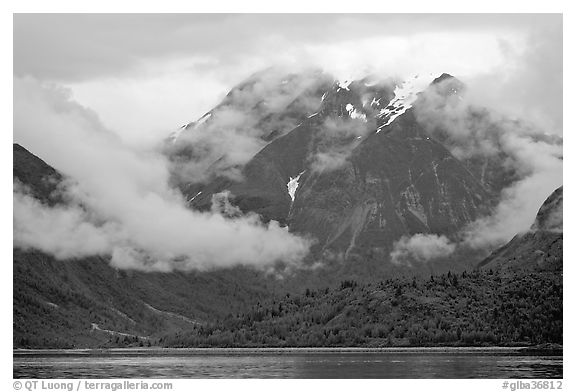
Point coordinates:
[[308, 364]]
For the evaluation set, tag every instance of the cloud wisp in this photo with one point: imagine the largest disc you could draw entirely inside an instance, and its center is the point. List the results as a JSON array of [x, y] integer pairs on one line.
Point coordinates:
[[421, 248]]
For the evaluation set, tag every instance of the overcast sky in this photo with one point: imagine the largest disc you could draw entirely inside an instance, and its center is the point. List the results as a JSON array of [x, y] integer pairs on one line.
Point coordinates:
[[147, 74]]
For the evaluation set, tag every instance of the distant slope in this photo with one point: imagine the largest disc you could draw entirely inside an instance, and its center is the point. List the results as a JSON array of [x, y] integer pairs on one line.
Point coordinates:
[[56, 302], [541, 248]]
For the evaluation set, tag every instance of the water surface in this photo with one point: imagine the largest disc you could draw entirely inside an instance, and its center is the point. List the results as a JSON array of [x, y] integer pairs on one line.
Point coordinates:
[[307, 363]]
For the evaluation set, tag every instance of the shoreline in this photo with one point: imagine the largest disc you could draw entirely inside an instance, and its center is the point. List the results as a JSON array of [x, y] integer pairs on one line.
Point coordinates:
[[287, 350]]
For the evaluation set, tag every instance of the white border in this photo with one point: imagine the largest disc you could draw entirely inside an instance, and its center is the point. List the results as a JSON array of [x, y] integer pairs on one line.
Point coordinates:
[[299, 6]]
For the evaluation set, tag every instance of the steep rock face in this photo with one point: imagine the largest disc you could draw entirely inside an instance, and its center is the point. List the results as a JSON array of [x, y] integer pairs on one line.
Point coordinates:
[[541, 248], [396, 183], [263, 188]]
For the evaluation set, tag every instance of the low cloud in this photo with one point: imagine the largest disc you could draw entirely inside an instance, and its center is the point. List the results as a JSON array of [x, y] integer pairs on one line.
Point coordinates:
[[63, 231], [336, 139], [121, 202], [528, 86], [329, 160], [421, 248]]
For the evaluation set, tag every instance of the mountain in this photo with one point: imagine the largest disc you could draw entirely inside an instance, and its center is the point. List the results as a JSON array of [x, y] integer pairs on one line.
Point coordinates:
[[348, 164], [541, 248], [360, 173], [87, 303]]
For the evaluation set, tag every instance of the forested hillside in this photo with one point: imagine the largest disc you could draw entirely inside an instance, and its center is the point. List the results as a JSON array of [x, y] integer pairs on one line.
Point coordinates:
[[473, 308]]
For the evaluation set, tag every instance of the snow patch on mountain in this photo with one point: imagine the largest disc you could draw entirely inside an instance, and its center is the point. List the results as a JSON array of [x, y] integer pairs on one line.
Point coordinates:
[[344, 84], [404, 96], [353, 113], [293, 185]]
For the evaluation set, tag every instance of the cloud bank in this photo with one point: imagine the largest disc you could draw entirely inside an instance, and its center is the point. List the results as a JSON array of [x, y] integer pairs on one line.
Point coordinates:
[[167, 70], [123, 205]]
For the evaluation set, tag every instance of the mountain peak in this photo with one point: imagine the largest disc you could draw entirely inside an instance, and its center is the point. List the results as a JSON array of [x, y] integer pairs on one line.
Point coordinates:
[[443, 77], [447, 85]]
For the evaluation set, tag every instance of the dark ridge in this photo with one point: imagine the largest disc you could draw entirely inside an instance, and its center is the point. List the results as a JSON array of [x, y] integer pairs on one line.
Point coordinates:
[[442, 78], [33, 172]]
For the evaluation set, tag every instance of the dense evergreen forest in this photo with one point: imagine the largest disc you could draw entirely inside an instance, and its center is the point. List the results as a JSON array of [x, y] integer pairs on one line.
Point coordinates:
[[473, 308]]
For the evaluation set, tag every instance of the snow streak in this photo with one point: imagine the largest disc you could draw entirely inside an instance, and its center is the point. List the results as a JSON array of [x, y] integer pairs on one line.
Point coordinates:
[[293, 185]]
